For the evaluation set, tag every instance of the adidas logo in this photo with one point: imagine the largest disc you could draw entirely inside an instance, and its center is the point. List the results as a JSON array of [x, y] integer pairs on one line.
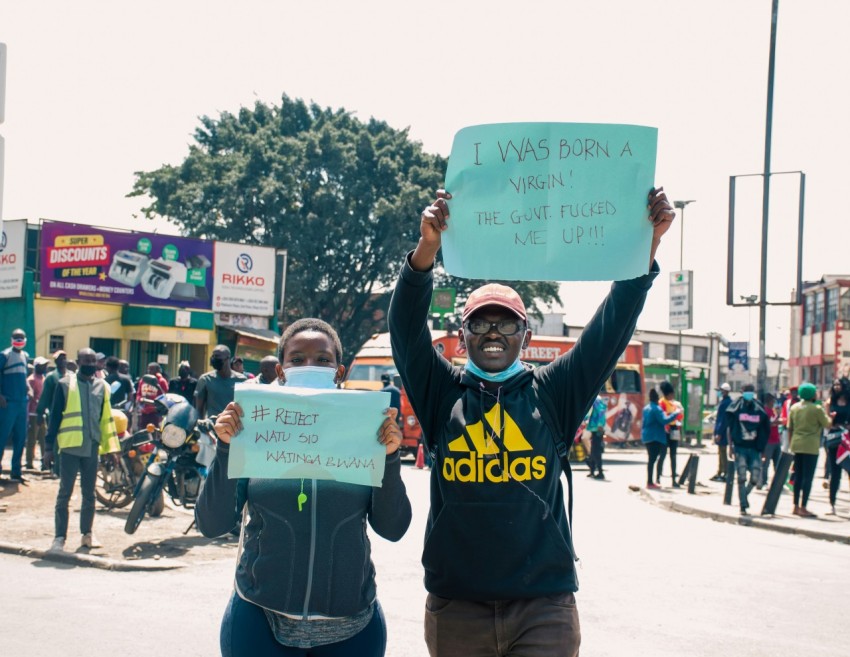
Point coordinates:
[[485, 461]]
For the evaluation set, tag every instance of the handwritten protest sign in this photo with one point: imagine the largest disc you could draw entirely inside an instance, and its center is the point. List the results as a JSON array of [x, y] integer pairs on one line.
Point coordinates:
[[293, 433], [550, 201]]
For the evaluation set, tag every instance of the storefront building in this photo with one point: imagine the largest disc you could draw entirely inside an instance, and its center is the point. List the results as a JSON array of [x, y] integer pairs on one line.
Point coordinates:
[[820, 332], [141, 297]]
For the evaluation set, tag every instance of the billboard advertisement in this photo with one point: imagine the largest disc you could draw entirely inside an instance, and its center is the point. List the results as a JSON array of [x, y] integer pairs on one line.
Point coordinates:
[[12, 255], [244, 279], [739, 360], [96, 264]]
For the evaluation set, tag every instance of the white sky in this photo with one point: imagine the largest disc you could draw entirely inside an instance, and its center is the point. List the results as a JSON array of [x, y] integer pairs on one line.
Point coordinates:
[[98, 90]]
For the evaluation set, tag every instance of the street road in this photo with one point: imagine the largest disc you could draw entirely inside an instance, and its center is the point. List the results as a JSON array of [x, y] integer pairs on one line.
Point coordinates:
[[653, 583]]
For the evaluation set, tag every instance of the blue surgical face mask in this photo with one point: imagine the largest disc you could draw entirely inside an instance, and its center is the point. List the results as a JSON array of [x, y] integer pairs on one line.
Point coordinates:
[[748, 396], [309, 376], [495, 377]]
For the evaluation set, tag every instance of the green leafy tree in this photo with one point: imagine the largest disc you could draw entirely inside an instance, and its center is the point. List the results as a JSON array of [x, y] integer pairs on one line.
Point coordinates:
[[340, 194]]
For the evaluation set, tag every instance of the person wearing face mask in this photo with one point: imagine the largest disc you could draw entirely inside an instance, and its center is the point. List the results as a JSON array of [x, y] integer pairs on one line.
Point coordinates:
[[305, 582], [498, 555], [748, 430], [35, 430], [215, 388], [81, 429], [14, 400]]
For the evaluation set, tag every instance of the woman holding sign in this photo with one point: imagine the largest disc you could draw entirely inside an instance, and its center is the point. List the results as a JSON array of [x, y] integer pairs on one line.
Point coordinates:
[[305, 583]]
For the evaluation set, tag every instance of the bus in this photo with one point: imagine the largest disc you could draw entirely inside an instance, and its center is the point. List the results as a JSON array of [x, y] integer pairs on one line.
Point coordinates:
[[372, 361], [623, 389]]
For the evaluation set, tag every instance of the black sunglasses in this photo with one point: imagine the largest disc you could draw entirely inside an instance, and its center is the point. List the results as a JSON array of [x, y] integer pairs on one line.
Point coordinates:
[[506, 327]]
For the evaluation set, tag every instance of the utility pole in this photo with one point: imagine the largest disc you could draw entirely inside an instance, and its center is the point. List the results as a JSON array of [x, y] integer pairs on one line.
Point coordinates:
[[761, 377]]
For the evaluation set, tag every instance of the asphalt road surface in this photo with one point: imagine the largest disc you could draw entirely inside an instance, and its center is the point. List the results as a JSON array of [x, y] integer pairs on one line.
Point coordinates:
[[653, 583]]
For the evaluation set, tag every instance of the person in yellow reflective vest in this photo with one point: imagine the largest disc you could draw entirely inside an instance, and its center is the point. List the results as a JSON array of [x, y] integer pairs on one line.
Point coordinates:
[[82, 428]]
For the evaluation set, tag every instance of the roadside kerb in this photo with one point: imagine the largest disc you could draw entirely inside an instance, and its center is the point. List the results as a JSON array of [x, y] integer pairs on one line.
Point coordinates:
[[92, 561], [769, 523]]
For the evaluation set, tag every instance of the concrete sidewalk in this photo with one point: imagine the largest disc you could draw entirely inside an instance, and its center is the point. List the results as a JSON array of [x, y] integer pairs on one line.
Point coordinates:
[[707, 501]]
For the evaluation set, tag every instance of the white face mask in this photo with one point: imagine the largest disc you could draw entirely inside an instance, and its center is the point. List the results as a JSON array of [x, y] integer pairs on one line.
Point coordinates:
[[309, 376]]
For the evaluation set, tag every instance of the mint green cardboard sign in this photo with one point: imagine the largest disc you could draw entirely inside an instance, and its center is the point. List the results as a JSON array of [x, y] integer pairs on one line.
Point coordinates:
[[293, 433], [550, 201]]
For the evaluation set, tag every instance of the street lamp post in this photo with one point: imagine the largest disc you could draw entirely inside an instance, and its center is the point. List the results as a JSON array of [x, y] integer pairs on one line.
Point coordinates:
[[681, 205]]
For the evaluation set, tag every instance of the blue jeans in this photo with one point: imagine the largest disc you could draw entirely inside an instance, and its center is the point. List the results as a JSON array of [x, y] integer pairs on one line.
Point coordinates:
[[13, 420], [245, 632], [747, 458]]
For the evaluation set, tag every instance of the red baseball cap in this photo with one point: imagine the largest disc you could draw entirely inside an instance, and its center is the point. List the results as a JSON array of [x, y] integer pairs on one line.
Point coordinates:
[[494, 294]]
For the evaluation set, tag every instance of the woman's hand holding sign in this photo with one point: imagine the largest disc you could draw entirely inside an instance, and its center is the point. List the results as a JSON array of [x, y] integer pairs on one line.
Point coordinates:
[[389, 434], [228, 424]]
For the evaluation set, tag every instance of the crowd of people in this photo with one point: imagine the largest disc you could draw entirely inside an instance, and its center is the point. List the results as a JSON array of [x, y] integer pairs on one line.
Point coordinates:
[[28, 388], [752, 434]]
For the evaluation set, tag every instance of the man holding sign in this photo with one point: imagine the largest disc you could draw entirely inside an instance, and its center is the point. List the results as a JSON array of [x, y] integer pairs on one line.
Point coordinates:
[[498, 547], [304, 575]]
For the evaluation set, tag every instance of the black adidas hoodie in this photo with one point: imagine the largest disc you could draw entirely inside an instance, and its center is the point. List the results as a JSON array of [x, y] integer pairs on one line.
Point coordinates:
[[498, 528]]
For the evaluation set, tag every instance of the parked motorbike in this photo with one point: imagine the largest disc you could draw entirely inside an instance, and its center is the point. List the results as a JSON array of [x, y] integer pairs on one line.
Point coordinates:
[[183, 450], [117, 477]]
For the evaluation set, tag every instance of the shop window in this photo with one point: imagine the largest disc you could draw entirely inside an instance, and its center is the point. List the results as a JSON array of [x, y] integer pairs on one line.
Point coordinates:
[[55, 343], [701, 354]]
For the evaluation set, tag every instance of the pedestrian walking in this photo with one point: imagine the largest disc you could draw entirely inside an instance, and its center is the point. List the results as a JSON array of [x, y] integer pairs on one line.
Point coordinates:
[[14, 401], [120, 385], [215, 388], [748, 430], [790, 399], [81, 429], [839, 411], [45, 403], [498, 556], [806, 422], [653, 434], [35, 429], [669, 405], [720, 439], [595, 424], [772, 451], [305, 582]]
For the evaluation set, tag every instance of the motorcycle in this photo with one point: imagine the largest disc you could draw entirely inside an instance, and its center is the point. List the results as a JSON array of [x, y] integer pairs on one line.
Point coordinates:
[[183, 451], [117, 478]]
